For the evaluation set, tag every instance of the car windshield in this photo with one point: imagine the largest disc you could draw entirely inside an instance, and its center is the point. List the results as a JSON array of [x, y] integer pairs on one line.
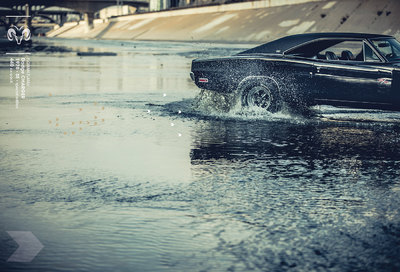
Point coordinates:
[[390, 48]]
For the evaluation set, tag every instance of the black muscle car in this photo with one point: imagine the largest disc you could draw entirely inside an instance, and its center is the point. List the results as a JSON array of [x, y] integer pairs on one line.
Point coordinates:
[[344, 69]]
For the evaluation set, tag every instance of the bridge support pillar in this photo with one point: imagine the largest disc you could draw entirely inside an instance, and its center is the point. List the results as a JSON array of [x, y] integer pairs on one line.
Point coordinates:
[[28, 18], [89, 17], [62, 19]]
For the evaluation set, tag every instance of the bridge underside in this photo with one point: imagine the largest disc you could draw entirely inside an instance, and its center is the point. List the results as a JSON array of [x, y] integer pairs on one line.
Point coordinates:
[[84, 6]]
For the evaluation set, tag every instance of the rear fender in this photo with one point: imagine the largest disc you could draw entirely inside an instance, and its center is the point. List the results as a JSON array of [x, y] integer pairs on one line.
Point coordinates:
[[250, 79]]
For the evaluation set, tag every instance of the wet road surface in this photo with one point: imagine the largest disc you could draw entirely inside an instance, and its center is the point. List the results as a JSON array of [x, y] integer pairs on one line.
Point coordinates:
[[115, 165]]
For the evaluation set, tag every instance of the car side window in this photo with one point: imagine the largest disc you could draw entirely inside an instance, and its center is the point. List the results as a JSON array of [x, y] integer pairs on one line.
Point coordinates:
[[369, 54], [344, 51]]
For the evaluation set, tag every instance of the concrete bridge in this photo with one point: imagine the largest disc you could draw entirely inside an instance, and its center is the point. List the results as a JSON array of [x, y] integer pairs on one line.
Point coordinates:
[[86, 7]]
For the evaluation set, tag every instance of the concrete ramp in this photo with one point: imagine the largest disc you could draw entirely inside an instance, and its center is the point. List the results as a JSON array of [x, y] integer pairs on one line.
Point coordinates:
[[230, 23]]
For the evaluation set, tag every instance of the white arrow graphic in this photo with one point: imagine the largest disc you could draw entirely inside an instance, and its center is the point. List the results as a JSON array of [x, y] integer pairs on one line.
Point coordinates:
[[29, 246]]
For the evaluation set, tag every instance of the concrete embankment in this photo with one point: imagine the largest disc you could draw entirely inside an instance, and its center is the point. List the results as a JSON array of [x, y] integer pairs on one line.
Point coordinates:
[[258, 21]]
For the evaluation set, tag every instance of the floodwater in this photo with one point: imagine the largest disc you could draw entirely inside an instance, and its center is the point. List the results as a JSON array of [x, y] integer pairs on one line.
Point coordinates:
[[115, 165]]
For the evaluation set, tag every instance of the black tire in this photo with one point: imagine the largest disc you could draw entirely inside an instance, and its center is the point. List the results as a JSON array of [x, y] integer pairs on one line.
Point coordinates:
[[261, 92]]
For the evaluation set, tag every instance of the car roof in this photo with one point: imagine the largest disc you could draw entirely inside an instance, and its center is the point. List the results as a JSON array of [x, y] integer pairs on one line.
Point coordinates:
[[283, 44]]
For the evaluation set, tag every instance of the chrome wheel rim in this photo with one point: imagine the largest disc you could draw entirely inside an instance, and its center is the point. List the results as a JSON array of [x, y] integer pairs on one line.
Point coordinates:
[[259, 96]]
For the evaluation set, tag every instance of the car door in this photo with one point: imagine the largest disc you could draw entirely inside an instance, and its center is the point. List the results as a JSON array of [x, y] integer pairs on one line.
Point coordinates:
[[354, 82]]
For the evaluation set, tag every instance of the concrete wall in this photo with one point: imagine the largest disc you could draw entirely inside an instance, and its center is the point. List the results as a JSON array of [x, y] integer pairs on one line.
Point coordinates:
[[249, 22], [116, 11]]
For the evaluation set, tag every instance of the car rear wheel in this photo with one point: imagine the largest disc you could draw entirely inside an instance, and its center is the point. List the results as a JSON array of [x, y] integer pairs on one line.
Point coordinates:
[[261, 93]]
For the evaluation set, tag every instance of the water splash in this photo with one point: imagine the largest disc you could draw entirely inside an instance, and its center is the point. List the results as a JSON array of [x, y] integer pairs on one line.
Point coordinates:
[[226, 106], [213, 102]]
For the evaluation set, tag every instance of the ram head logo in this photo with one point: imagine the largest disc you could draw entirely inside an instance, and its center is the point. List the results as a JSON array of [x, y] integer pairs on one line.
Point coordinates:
[[18, 34]]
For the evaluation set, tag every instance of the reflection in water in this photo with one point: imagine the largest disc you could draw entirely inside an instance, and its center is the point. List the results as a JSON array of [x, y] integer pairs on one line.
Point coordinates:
[[303, 192], [265, 139]]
